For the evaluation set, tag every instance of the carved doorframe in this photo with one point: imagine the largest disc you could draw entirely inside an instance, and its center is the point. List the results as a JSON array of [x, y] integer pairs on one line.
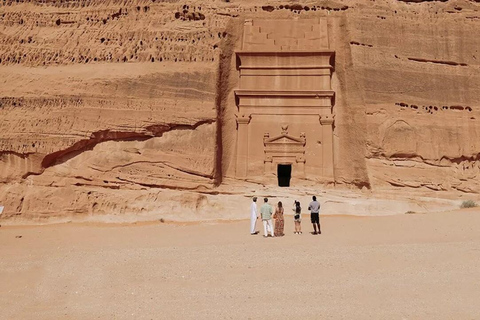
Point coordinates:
[[285, 149]]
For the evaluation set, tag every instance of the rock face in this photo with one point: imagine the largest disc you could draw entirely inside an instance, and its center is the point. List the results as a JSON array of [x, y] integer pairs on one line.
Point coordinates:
[[130, 107]]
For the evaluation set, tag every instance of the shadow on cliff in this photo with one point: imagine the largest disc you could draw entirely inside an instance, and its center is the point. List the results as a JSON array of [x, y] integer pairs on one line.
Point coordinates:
[[81, 146], [227, 51]]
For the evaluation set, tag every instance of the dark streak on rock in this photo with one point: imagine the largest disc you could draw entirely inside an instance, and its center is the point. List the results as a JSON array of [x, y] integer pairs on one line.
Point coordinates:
[[450, 63], [360, 44], [419, 1], [432, 108]]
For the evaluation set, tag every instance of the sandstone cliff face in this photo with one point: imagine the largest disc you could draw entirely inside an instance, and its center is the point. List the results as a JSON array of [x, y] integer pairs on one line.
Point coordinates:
[[117, 107], [420, 90]]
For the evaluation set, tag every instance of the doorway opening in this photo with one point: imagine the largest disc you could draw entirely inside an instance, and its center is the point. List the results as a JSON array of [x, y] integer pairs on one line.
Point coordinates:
[[284, 173]]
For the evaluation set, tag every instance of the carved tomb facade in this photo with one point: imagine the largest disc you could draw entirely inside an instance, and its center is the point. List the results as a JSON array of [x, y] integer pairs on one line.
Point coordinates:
[[285, 100]]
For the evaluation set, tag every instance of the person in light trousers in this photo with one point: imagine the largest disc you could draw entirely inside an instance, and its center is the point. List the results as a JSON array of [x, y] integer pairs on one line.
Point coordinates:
[[253, 216], [266, 212]]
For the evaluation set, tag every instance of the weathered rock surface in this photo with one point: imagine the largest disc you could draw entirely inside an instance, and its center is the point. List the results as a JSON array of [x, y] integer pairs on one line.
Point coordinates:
[[128, 107]]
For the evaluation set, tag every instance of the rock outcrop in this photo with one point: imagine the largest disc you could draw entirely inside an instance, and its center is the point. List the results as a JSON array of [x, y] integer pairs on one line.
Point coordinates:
[[117, 107]]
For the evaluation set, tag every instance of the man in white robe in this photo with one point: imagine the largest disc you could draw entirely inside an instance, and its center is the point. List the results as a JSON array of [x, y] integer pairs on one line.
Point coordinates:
[[253, 216]]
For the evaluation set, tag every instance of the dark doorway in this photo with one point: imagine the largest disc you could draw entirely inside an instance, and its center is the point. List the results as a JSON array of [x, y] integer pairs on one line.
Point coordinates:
[[284, 173]]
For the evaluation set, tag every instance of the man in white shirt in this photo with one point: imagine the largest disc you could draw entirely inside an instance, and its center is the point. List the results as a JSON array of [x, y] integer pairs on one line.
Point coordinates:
[[253, 216]]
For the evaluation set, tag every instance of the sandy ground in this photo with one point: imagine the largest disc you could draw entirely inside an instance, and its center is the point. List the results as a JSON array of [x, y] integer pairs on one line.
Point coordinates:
[[421, 266]]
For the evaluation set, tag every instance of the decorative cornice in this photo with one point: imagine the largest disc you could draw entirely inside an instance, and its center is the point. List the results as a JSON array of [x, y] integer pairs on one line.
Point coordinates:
[[285, 93], [290, 67], [285, 53], [243, 119], [327, 119]]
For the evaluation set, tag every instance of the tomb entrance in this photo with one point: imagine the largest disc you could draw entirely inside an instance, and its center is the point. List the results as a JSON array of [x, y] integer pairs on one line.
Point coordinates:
[[284, 173]]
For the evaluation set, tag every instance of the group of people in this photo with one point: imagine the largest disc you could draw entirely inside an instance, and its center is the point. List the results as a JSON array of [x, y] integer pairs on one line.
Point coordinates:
[[267, 213]]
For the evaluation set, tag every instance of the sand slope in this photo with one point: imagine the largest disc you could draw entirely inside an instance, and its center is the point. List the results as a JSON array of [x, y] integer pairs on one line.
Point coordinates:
[[106, 105], [396, 267]]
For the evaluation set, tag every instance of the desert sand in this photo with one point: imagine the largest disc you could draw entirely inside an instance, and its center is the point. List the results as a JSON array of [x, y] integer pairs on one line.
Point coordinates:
[[415, 266], [125, 107]]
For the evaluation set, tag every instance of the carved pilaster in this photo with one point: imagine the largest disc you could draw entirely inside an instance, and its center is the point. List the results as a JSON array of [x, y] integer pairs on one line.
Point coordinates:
[[301, 166], [242, 145], [268, 165], [327, 145]]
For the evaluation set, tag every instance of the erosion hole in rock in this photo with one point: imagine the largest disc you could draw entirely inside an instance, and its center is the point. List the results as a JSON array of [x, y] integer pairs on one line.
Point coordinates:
[[284, 173]]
